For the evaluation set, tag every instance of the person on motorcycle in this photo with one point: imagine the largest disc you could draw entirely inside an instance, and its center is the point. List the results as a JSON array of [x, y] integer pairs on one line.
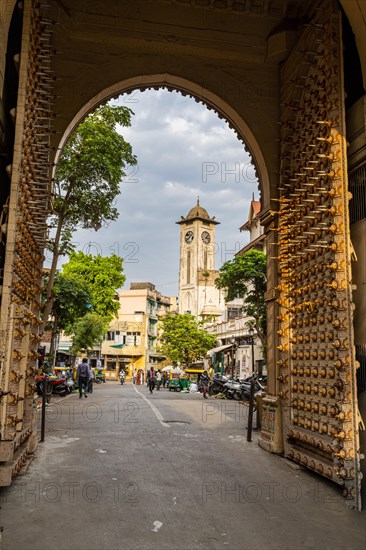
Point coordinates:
[[122, 376]]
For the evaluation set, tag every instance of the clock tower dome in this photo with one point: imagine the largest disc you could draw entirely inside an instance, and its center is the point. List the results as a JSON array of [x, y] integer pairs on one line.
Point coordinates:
[[197, 272]]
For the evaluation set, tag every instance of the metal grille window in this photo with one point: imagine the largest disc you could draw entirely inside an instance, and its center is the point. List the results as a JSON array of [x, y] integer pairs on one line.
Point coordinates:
[[357, 186], [234, 312], [133, 338]]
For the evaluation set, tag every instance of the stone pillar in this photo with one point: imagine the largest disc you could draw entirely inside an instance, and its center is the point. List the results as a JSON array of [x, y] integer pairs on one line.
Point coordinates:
[[271, 437]]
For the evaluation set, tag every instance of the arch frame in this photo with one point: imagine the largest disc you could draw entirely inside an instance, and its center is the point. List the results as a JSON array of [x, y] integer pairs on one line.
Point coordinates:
[[186, 87]]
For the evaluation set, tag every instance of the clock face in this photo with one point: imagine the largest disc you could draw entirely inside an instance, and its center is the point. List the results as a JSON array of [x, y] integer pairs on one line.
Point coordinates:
[[189, 237], [206, 237]]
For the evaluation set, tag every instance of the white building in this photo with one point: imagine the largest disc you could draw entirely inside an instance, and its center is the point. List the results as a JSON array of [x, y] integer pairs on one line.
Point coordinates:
[[197, 292], [234, 340]]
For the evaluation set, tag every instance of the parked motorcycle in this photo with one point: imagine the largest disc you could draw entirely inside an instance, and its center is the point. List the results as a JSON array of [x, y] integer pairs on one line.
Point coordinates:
[[60, 386], [246, 384], [70, 385], [42, 380], [233, 389], [217, 385]]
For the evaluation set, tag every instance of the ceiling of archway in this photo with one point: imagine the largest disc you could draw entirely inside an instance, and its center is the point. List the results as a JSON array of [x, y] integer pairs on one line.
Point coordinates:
[[220, 45]]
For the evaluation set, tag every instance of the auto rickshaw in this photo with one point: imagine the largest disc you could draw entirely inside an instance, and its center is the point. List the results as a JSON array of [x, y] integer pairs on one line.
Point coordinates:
[[175, 383], [194, 374]]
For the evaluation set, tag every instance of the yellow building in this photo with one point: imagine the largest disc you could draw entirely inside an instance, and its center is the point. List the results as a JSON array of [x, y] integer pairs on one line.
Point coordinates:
[[132, 340]]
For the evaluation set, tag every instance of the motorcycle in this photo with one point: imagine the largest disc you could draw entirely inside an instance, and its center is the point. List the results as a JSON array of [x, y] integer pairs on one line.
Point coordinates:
[[233, 389], [122, 377], [99, 376], [70, 385], [59, 386], [217, 385], [41, 381], [246, 385]]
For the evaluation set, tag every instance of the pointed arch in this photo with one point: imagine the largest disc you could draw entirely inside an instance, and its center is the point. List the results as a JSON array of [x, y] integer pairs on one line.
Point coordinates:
[[185, 87]]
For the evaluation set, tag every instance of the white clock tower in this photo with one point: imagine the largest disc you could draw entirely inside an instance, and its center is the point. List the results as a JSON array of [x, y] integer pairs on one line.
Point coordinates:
[[197, 292]]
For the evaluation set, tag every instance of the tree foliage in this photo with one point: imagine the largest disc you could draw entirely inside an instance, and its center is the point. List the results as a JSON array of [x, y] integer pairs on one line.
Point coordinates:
[[72, 301], [88, 331], [184, 339], [90, 169], [101, 276], [87, 181], [245, 276]]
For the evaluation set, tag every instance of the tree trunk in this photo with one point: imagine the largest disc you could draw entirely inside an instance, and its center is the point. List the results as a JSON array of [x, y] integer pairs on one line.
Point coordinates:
[[51, 279], [53, 347]]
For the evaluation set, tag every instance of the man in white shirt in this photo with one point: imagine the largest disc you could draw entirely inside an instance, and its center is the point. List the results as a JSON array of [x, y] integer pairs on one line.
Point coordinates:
[[158, 380], [89, 387]]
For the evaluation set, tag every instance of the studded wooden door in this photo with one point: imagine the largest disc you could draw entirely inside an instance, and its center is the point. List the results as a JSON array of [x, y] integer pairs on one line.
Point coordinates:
[[317, 360], [26, 233]]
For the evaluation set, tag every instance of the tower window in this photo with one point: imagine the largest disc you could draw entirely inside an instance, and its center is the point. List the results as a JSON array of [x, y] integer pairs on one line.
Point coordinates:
[[188, 267]]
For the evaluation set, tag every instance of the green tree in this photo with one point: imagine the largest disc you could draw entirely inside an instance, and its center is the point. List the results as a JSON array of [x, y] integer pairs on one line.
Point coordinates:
[[245, 276], [88, 331], [184, 339], [71, 300], [87, 181], [101, 275]]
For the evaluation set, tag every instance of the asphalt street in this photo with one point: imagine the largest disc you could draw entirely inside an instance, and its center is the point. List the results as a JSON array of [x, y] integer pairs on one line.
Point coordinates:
[[124, 469]]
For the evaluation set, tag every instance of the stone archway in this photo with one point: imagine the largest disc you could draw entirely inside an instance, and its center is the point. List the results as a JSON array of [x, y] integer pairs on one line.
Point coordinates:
[[226, 54], [186, 87]]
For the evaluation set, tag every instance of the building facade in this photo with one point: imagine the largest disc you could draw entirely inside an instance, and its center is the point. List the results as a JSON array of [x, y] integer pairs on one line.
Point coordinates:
[[239, 351], [133, 339]]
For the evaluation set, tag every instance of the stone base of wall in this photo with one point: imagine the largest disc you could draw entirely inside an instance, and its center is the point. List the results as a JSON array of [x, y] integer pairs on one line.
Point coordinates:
[[271, 436]]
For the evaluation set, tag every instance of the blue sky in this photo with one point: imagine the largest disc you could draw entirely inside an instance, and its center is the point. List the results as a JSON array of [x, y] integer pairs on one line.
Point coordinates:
[[184, 151]]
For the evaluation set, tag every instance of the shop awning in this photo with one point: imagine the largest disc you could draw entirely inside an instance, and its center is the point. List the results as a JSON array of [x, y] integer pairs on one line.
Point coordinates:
[[119, 346], [64, 346], [220, 348]]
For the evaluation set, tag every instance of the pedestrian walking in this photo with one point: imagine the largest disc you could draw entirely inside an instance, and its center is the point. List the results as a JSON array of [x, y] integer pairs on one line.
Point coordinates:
[[151, 379], [204, 381], [158, 380], [91, 379], [83, 377], [134, 376]]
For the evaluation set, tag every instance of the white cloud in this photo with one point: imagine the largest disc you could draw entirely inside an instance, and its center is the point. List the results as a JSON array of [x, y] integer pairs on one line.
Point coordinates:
[[173, 137]]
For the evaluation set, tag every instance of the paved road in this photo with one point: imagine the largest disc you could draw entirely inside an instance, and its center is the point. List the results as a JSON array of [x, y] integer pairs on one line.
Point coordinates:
[[126, 470]]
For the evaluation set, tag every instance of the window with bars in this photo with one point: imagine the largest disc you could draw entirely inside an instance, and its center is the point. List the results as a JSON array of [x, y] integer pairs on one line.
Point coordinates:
[[234, 312]]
